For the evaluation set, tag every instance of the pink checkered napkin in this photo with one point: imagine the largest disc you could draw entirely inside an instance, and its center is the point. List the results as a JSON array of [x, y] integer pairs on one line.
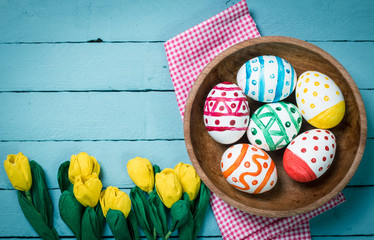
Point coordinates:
[[235, 224], [188, 53]]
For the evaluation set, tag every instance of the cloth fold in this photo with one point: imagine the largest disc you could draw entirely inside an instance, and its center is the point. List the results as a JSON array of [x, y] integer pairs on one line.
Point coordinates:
[[187, 54]]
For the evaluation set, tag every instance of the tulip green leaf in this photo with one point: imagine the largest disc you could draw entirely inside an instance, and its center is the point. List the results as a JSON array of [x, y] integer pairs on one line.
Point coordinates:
[[185, 232], [71, 212], [40, 195], [63, 177], [118, 225], [142, 210], [179, 214], [100, 217], [156, 169], [201, 205], [158, 214], [35, 219], [133, 225], [91, 227]]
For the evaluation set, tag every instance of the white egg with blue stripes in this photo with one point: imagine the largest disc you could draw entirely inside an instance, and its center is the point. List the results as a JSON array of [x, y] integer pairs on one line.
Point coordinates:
[[267, 78]]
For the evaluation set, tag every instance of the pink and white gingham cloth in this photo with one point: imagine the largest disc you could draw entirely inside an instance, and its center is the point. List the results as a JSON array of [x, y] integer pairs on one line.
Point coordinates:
[[188, 53]]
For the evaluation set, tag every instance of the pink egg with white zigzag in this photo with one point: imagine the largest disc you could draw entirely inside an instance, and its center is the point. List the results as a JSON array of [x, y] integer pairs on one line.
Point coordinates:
[[226, 113]]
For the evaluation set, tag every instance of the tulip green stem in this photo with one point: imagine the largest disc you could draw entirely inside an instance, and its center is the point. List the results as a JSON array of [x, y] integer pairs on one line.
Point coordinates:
[[28, 196], [154, 233], [168, 235]]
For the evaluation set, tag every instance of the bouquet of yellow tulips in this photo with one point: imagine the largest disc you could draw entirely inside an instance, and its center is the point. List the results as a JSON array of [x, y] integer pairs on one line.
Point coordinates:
[[81, 191], [80, 187], [176, 193], [33, 196], [179, 189]]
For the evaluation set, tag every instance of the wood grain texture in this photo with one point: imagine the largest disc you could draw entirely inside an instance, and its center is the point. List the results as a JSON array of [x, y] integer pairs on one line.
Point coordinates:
[[114, 116], [81, 67], [89, 116], [288, 197], [11, 214], [352, 217], [113, 156], [43, 47], [111, 66], [115, 20], [327, 224]]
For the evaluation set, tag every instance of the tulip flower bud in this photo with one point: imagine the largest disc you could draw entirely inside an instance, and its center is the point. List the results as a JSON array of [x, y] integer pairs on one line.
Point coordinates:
[[83, 165], [141, 173], [189, 179], [17, 168], [87, 190], [168, 187], [115, 199]]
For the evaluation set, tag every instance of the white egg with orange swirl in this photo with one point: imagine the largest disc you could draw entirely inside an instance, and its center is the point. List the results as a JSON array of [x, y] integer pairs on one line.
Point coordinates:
[[249, 169]]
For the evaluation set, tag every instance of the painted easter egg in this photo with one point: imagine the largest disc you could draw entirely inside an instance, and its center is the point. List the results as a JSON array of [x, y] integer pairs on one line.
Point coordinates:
[[226, 113], [309, 155], [274, 125], [320, 100], [267, 78], [249, 169]]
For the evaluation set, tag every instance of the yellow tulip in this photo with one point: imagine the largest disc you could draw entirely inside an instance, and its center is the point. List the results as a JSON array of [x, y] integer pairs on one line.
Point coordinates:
[[87, 190], [189, 179], [113, 198], [141, 173], [168, 187], [82, 165], [17, 167]]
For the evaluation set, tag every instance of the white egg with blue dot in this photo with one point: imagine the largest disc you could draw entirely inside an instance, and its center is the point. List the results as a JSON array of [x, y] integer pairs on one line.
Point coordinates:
[[267, 78]]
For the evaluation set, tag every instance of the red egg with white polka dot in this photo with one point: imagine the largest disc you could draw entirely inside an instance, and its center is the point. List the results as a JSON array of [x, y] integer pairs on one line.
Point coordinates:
[[226, 113], [310, 155], [249, 169]]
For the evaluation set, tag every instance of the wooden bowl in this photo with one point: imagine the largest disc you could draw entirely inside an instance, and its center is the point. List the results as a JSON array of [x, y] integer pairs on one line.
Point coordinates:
[[288, 197]]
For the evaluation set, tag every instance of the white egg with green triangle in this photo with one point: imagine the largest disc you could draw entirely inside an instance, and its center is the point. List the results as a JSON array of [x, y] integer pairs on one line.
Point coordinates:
[[274, 125]]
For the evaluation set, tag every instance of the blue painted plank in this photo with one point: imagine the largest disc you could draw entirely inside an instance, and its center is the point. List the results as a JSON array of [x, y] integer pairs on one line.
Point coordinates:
[[315, 20], [51, 67], [355, 57], [114, 20], [127, 66], [14, 223], [89, 116], [338, 221], [355, 216], [101, 116], [113, 157], [364, 175]]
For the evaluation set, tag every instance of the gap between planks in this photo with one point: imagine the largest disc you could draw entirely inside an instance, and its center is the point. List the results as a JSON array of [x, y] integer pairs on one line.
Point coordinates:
[[99, 40], [129, 188]]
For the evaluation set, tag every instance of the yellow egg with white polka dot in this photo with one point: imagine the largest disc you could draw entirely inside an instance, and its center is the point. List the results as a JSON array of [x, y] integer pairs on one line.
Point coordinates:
[[319, 100]]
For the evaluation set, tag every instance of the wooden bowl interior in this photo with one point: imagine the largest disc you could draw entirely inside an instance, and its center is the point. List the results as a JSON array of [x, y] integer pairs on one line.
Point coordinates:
[[288, 197]]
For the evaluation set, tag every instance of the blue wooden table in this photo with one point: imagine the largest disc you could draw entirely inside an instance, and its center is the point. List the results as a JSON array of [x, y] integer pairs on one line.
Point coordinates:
[[63, 91]]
